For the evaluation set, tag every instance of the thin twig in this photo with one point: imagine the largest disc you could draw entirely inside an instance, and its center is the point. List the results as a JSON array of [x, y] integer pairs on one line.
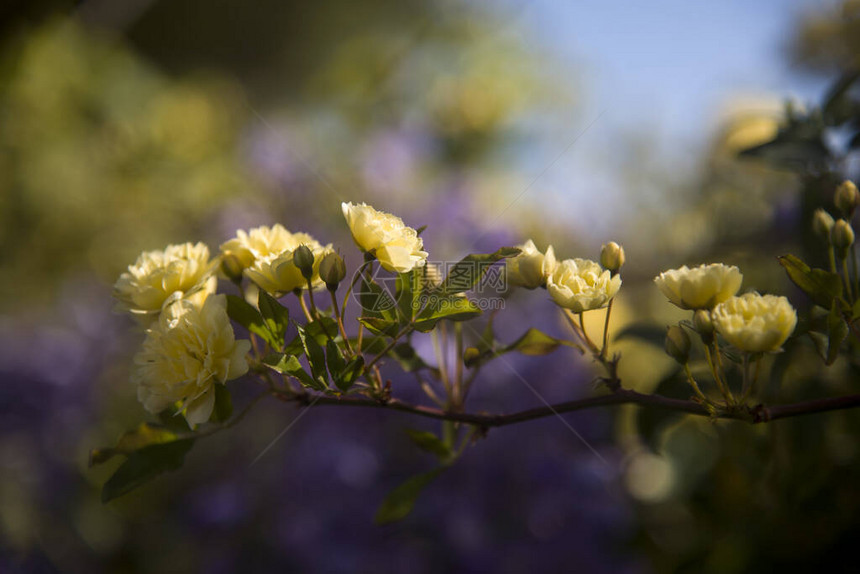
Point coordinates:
[[757, 414]]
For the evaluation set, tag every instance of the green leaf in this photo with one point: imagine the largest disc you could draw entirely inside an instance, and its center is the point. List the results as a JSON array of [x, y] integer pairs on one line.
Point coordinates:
[[351, 371], [380, 326], [535, 342], [276, 316], [146, 434], [453, 308], [316, 356], [334, 358], [408, 293], [409, 360], [375, 301], [319, 330], [399, 503], [820, 285], [821, 343], [370, 345], [290, 365], [244, 313], [837, 330], [143, 465], [466, 273], [173, 420], [223, 404], [430, 442]]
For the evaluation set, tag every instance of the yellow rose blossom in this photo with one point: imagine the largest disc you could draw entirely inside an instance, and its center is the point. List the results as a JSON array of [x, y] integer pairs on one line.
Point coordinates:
[[531, 268], [258, 243], [397, 247], [278, 274], [159, 278], [755, 323], [701, 287], [186, 353], [582, 285]]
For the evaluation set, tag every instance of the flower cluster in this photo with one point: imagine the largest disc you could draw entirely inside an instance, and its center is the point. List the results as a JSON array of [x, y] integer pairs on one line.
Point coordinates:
[[190, 347], [189, 343], [576, 284], [751, 322], [266, 256]]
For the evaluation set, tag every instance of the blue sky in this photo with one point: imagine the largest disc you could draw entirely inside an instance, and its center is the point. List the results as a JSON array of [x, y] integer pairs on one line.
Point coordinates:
[[667, 67], [676, 60]]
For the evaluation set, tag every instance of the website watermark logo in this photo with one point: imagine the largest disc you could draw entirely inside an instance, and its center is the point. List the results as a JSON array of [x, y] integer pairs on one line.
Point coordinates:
[[436, 281]]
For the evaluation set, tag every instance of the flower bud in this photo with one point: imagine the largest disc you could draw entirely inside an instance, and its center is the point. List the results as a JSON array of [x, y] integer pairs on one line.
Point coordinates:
[[703, 325], [822, 224], [303, 258], [842, 235], [232, 267], [332, 270], [847, 197], [678, 344], [612, 256]]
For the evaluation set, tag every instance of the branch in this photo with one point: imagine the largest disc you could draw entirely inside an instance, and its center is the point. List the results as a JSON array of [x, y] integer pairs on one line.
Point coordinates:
[[757, 414]]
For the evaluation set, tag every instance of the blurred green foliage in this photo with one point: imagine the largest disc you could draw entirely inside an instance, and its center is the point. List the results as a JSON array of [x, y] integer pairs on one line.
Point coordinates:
[[102, 156]]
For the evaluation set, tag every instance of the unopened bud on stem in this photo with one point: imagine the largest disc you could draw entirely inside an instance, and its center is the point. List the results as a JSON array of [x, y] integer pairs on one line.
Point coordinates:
[[612, 256], [332, 270], [847, 197], [303, 258], [678, 344], [232, 268], [822, 224], [842, 236]]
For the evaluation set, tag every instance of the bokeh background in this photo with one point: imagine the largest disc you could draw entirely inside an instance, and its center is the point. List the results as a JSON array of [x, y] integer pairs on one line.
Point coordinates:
[[125, 126]]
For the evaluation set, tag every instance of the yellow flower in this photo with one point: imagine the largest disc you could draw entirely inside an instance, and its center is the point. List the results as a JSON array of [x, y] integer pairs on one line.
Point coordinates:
[[159, 278], [582, 285], [701, 287], [258, 243], [755, 323], [531, 268], [189, 350], [397, 247], [278, 274]]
